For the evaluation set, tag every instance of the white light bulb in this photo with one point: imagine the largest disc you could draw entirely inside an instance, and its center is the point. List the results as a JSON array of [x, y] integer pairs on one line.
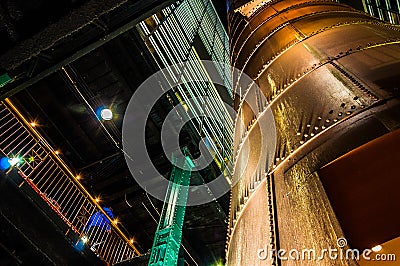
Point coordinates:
[[106, 114], [14, 161], [84, 239]]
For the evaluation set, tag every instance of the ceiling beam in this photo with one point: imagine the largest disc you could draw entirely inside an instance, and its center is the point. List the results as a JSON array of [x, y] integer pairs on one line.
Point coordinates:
[[13, 59]]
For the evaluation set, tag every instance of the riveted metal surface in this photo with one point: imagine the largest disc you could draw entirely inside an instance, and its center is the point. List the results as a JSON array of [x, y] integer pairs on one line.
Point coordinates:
[[329, 74], [252, 38]]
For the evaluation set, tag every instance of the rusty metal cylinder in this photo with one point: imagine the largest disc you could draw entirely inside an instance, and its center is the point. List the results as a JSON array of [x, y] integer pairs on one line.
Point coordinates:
[[331, 76]]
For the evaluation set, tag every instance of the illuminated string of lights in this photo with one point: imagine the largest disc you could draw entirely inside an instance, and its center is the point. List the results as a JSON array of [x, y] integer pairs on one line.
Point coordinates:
[[47, 174]]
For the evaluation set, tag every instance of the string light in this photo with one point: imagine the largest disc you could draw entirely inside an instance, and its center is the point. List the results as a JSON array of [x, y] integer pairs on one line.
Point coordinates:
[[84, 239], [6, 163], [15, 161]]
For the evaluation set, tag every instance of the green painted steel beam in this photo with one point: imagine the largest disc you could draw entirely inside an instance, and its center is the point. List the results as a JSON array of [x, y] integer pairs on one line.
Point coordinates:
[[4, 79], [168, 237]]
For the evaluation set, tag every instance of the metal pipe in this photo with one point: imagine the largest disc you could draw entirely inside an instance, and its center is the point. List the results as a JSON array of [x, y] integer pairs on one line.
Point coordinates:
[[321, 66]]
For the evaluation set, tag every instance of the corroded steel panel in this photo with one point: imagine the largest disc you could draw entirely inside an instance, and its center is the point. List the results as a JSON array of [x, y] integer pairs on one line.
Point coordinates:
[[331, 76]]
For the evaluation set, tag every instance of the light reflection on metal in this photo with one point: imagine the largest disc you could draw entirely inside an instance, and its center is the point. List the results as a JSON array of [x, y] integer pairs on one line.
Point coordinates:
[[319, 65], [251, 7]]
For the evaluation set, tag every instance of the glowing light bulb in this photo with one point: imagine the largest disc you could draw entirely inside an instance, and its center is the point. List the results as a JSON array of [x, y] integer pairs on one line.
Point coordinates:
[[33, 124], [377, 248], [5, 163], [84, 239], [78, 177], [97, 200], [115, 221], [106, 114], [57, 152], [14, 161]]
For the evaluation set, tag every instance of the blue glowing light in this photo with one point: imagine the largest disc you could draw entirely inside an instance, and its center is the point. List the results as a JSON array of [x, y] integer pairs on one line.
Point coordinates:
[[99, 220], [98, 111], [103, 113], [5, 163], [79, 245]]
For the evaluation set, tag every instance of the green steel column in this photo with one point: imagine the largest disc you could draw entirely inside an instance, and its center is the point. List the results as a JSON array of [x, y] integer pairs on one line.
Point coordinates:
[[167, 239], [4, 79]]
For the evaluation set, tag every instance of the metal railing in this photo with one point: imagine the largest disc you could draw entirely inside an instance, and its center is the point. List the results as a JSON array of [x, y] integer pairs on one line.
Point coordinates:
[[40, 166]]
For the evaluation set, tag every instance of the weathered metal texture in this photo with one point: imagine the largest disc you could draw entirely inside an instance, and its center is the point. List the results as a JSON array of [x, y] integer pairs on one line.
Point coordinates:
[[331, 76]]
